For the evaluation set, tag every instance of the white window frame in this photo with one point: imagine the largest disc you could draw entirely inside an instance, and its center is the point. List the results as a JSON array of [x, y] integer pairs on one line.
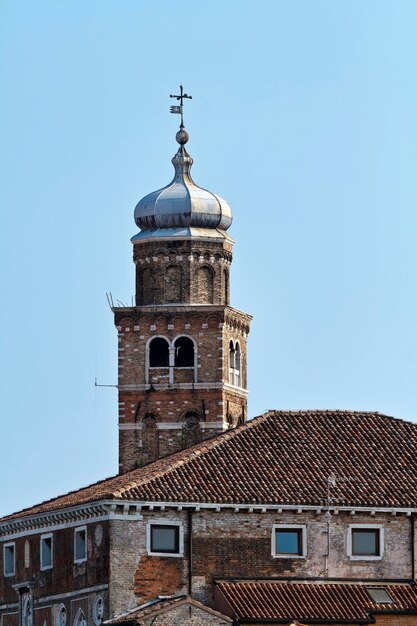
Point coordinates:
[[79, 529], [365, 557], [9, 545], [301, 527], [51, 537], [165, 522]]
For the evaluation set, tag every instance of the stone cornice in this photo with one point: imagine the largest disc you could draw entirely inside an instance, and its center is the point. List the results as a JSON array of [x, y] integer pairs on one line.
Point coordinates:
[[132, 510]]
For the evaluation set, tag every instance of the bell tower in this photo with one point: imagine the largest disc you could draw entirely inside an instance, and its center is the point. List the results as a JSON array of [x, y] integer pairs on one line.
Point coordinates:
[[182, 347]]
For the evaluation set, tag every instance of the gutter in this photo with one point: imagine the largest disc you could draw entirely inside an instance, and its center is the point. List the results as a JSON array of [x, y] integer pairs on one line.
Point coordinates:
[[413, 545]]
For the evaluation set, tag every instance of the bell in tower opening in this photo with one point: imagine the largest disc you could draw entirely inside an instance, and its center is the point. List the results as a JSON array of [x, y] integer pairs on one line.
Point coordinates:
[[182, 347]]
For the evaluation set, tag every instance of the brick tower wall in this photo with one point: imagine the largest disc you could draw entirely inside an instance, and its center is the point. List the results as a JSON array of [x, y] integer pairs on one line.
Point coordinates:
[[152, 409]]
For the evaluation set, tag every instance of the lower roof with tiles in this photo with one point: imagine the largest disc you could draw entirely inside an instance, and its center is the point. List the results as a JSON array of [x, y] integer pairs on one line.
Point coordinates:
[[280, 457], [349, 603], [140, 615]]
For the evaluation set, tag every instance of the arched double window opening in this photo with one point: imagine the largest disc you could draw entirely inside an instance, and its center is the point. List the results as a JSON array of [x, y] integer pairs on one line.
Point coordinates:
[[184, 352], [159, 352], [179, 353], [235, 360]]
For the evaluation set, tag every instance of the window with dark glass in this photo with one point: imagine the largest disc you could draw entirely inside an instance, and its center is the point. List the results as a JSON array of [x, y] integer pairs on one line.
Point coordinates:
[[158, 353], [379, 595], [365, 542], [46, 552], [165, 539], [80, 544], [289, 541], [9, 559], [184, 352]]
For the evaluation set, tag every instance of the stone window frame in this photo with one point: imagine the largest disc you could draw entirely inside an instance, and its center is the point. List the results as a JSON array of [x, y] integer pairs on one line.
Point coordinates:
[[10, 544], [60, 612], [79, 529], [365, 557], [171, 366], [235, 373], [98, 610], [165, 522], [80, 618], [41, 540], [300, 527]]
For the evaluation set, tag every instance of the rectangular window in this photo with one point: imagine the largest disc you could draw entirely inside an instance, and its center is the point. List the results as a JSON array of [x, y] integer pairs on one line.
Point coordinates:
[[46, 552], [165, 538], [80, 544], [289, 541], [365, 542], [9, 559]]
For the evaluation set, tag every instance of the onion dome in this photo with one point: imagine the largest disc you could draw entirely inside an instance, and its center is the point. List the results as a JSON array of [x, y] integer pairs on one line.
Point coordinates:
[[182, 208]]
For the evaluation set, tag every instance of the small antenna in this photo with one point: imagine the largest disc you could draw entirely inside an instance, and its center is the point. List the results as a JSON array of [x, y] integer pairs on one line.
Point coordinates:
[[96, 384]]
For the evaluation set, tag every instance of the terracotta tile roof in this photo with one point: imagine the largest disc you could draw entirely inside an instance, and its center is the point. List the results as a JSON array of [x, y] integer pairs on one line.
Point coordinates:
[[313, 601], [142, 613], [281, 457]]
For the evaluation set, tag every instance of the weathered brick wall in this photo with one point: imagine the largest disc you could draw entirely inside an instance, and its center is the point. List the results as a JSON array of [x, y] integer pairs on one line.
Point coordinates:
[[188, 271], [136, 577], [239, 545], [228, 544]]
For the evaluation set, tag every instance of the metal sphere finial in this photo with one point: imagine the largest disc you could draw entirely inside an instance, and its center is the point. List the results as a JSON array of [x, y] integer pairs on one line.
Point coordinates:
[[182, 136]]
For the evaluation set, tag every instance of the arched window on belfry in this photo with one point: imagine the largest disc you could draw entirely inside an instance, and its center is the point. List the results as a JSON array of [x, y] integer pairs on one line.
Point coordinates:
[[226, 286], [173, 284], [159, 352], [238, 359], [235, 364], [231, 363], [191, 430], [205, 285], [184, 352], [150, 438]]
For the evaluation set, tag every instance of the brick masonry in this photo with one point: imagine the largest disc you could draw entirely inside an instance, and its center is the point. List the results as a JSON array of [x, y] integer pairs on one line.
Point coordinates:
[[226, 544], [156, 402]]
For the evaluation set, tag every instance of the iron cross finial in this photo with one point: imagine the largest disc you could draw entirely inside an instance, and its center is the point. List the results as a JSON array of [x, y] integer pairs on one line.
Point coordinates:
[[179, 109]]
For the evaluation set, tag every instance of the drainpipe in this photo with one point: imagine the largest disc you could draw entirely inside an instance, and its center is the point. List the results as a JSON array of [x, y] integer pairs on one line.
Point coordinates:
[[190, 550], [413, 546]]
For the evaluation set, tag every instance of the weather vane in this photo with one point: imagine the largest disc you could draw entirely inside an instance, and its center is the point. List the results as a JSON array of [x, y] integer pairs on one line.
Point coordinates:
[[179, 109]]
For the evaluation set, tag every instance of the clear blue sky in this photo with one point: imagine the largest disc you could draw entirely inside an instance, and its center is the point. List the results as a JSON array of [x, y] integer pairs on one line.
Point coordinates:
[[304, 118]]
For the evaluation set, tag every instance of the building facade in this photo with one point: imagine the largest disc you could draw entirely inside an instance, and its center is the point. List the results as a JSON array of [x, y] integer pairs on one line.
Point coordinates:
[[213, 519]]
